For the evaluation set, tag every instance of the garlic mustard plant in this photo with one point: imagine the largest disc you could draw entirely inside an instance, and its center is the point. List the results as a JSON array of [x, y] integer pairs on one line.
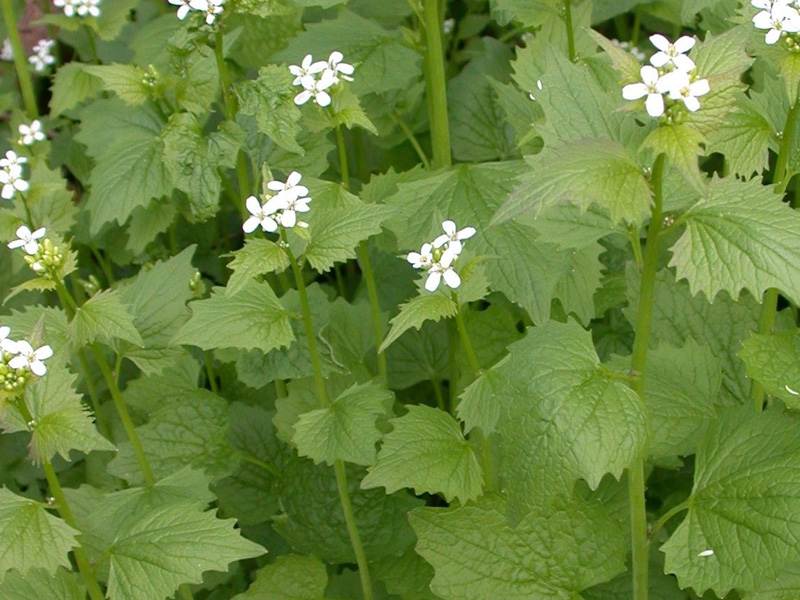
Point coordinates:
[[30, 134], [777, 17], [42, 56], [28, 358], [317, 78], [439, 256], [11, 175], [27, 239]]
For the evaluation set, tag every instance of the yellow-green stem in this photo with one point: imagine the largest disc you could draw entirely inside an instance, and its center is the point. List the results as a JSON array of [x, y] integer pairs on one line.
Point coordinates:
[[99, 413], [636, 481], [92, 45], [570, 29], [27, 209], [20, 64], [437, 391], [84, 566], [667, 516], [465, 343], [212, 377], [249, 458], [324, 402], [436, 85], [412, 139]]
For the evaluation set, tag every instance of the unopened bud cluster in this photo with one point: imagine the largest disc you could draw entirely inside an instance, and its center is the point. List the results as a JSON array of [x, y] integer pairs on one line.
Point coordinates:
[[44, 258]]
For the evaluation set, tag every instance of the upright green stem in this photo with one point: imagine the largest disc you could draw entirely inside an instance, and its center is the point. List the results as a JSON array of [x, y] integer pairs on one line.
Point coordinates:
[[570, 30], [412, 139], [92, 45], [637, 25], [366, 267], [436, 85], [81, 558], [324, 402], [636, 481], [769, 310], [99, 413], [20, 64], [27, 209]]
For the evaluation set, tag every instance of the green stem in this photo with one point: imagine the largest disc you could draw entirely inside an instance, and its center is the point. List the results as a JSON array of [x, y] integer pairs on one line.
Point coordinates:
[[570, 31], [212, 378], [412, 139], [280, 388], [20, 64], [104, 265], [352, 529], [249, 458], [636, 245], [92, 45], [324, 402], [99, 412], [637, 25], [342, 157], [124, 415], [436, 86], [667, 516], [465, 343], [27, 208], [437, 391], [339, 278], [452, 364], [185, 592], [636, 480], [84, 566]]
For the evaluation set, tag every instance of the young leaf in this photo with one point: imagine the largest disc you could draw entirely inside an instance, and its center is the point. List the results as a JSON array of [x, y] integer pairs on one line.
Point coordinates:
[[171, 545], [30, 537], [553, 553], [290, 577], [745, 487], [72, 85], [257, 257], [127, 81], [680, 143], [773, 359], [427, 307], [426, 451], [346, 429], [745, 140], [252, 318], [38, 583], [104, 317], [741, 236], [407, 576]]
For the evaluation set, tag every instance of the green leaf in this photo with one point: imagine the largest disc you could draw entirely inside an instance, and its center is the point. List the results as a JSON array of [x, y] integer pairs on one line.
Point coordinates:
[[746, 488], [113, 18], [259, 256], [104, 317], [553, 553], [782, 587], [407, 576], [30, 537], [127, 81], [427, 307], [290, 577], [38, 583], [584, 172], [773, 359], [252, 318], [126, 146], [561, 414], [745, 140], [270, 99], [426, 451], [740, 236], [680, 143], [345, 430], [338, 221], [192, 431], [418, 355], [170, 546], [72, 85]]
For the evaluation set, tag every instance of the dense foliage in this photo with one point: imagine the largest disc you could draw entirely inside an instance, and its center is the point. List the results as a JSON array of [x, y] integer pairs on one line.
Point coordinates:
[[400, 299]]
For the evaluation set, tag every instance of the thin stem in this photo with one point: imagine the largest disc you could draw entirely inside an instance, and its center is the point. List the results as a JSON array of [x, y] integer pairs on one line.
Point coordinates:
[[20, 64], [27, 208], [637, 25], [636, 481], [636, 245], [280, 388], [212, 377], [377, 321], [412, 139], [452, 364], [337, 275], [185, 592], [324, 402], [99, 412], [343, 157], [436, 86], [667, 516], [84, 566], [249, 458], [570, 31], [104, 265], [465, 343], [92, 45], [352, 529], [437, 391]]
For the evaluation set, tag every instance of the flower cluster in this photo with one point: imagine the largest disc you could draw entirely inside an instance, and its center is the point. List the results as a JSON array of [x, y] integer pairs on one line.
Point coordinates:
[[29, 134], [211, 8], [670, 73], [439, 256], [81, 8], [43, 257], [11, 175], [18, 360], [7, 52], [777, 17], [318, 77], [279, 209], [42, 56]]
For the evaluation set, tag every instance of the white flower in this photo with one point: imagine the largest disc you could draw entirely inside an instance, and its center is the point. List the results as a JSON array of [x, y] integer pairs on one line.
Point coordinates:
[[305, 73], [6, 344], [337, 67], [88, 7], [11, 180], [262, 215], [423, 258], [317, 90], [778, 18], [443, 269], [672, 53], [27, 240], [42, 56], [448, 25], [453, 238], [183, 8], [31, 133], [11, 161], [652, 86], [291, 205], [681, 88], [212, 8], [30, 358], [291, 186], [7, 52]]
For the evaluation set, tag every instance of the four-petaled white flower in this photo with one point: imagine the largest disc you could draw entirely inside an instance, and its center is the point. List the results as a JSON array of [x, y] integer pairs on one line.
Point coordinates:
[[651, 86], [12, 162], [777, 17], [305, 73], [423, 258], [31, 133], [42, 56], [443, 269], [318, 77], [212, 8], [680, 87], [11, 180], [30, 358], [287, 215], [183, 8], [672, 53], [338, 67], [27, 239], [261, 215], [452, 237], [89, 7], [291, 186], [317, 90]]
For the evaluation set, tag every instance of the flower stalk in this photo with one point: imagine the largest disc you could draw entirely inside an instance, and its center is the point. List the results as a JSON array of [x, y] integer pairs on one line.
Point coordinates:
[[21, 67], [570, 30], [436, 86]]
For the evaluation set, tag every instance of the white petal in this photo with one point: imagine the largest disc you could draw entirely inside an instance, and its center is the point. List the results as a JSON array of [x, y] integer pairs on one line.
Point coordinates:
[[763, 20], [335, 57], [415, 258], [683, 62], [16, 244], [684, 43], [276, 186], [23, 232], [773, 35], [43, 353], [323, 99], [634, 91], [434, 278], [449, 227], [8, 191], [293, 179], [345, 68], [249, 226], [18, 362], [269, 224], [650, 75], [39, 233], [4, 332], [454, 248], [699, 87], [301, 205], [38, 368], [253, 205], [302, 97], [659, 41], [276, 203], [31, 247], [452, 279], [654, 105], [762, 4], [692, 103], [466, 233], [21, 185], [659, 59], [288, 218], [441, 240]]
